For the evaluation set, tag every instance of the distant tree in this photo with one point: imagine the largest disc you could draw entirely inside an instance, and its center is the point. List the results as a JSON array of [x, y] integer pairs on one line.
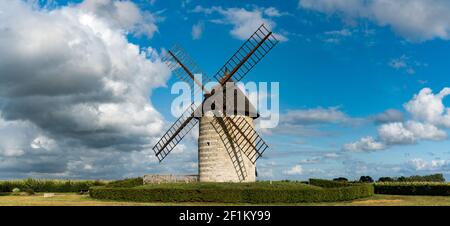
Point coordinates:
[[366, 179], [427, 178], [340, 179], [386, 179], [439, 177]]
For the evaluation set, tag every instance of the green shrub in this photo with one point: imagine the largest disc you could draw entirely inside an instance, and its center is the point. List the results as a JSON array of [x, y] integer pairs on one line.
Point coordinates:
[[413, 188], [386, 179], [29, 191], [365, 179], [341, 179], [427, 178], [15, 190], [127, 183], [48, 185], [328, 183], [233, 193]]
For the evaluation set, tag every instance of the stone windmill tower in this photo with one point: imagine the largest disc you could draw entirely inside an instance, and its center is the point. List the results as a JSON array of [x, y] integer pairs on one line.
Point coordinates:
[[228, 143]]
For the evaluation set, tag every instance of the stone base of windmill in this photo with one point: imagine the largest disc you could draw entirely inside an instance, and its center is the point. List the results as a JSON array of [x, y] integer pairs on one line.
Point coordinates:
[[216, 162]]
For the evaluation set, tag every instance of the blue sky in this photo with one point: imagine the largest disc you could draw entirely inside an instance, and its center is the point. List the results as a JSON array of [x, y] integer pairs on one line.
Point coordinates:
[[326, 62], [347, 71]]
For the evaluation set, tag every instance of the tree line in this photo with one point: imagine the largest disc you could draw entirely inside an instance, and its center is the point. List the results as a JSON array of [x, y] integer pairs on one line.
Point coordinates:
[[439, 177]]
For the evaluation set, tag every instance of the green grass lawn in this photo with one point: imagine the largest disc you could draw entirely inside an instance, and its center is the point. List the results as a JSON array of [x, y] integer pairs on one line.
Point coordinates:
[[71, 199]]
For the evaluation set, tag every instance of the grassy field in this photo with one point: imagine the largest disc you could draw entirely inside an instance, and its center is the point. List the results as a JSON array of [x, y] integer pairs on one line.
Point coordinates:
[[71, 199]]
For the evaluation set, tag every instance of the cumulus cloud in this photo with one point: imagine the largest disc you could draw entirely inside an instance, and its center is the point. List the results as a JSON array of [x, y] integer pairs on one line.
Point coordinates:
[[244, 21], [197, 30], [429, 107], [43, 142], [365, 144], [390, 115], [429, 119], [430, 18], [123, 15], [433, 165], [274, 12], [307, 122], [295, 170], [409, 132], [316, 116], [74, 91]]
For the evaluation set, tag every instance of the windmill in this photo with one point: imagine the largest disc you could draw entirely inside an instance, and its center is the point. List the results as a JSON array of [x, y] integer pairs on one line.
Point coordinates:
[[228, 143]]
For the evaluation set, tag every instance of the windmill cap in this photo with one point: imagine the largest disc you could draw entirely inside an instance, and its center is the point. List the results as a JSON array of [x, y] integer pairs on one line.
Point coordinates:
[[220, 99]]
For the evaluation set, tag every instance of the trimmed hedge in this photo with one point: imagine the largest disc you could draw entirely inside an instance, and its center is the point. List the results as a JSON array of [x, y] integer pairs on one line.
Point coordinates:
[[328, 183], [413, 188], [48, 185], [126, 183], [227, 194]]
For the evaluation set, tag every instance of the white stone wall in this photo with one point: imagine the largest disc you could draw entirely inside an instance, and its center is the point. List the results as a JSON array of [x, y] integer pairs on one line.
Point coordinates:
[[169, 178], [215, 164]]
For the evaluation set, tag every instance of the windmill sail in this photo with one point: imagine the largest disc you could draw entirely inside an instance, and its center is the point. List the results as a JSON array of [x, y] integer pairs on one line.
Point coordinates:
[[248, 55], [244, 136], [176, 133], [239, 138], [185, 68], [233, 150]]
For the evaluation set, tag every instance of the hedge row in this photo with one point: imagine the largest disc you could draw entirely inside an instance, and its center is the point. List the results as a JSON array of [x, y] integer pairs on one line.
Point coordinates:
[[413, 188], [230, 195], [126, 183], [48, 185], [328, 183]]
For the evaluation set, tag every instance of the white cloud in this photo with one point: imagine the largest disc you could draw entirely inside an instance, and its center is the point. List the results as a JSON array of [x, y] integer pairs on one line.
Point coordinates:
[[197, 30], [331, 155], [390, 115], [336, 36], [425, 131], [43, 142], [344, 33], [429, 116], [433, 165], [396, 133], [429, 107], [399, 63], [122, 15], [310, 122], [274, 12], [313, 160], [244, 21], [402, 63], [87, 99], [316, 116], [350, 7], [409, 132], [266, 173], [295, 170], [416, 20], [365, 144], [14, 137], [9, 152]]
